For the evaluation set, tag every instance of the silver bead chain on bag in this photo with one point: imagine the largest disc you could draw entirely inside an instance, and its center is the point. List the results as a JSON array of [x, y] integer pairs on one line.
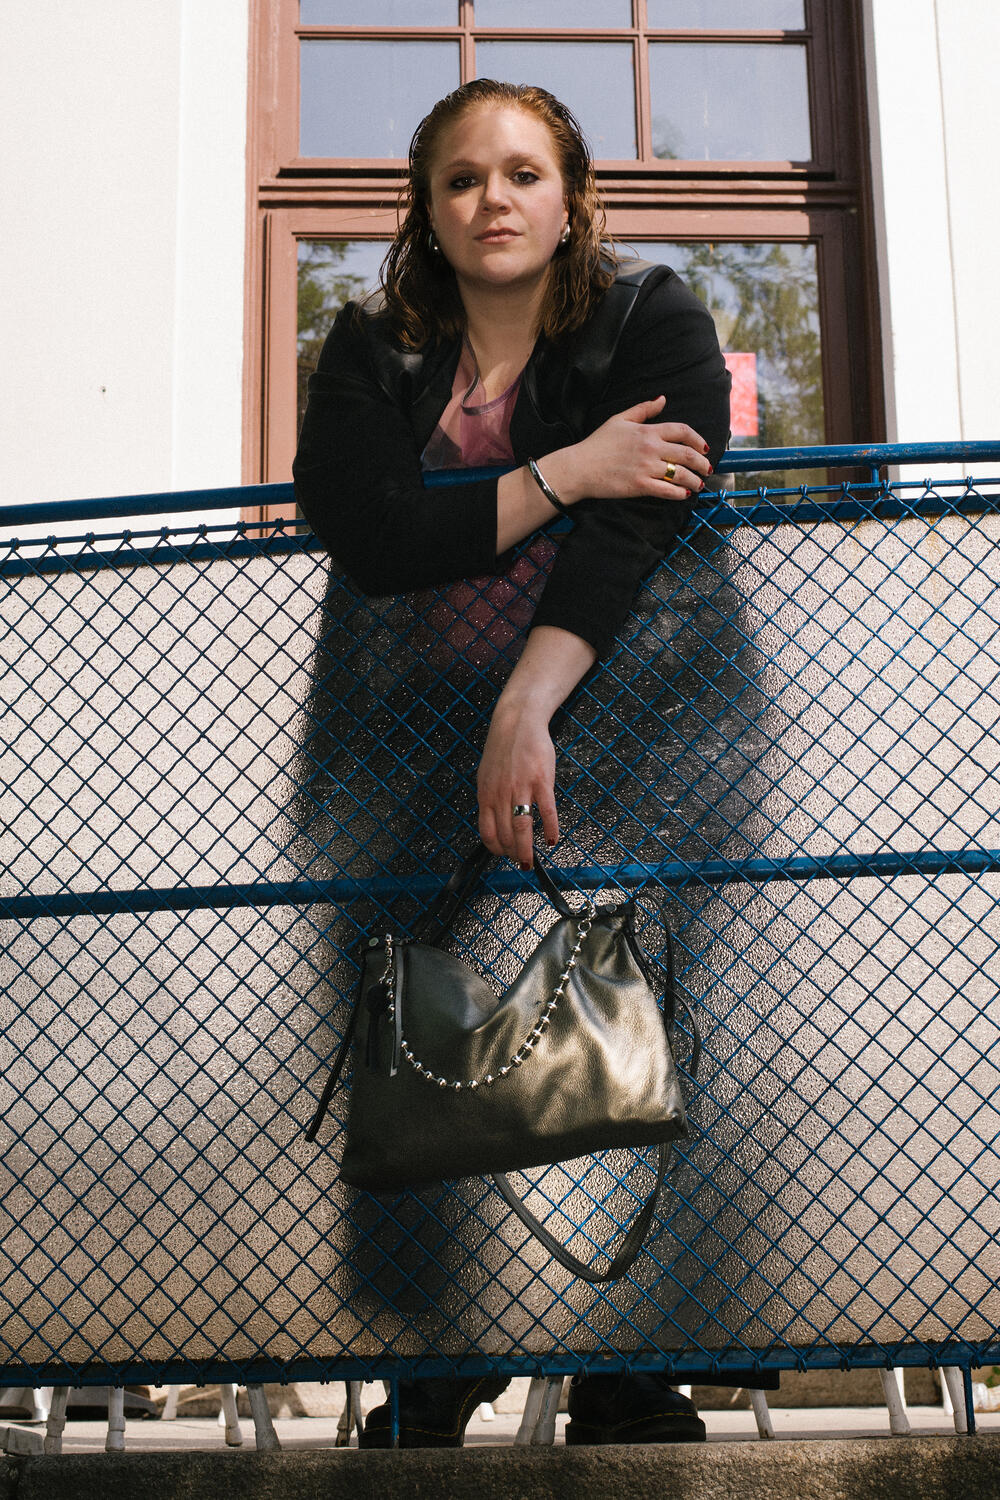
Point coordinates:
[[531, 1040]]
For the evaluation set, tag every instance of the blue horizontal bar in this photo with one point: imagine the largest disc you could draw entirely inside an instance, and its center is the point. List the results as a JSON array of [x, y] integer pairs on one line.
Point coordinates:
[[680, 1364], [168, 502], [855, 455], [864, 501], [161, 554], [886, 863], [734, 461]]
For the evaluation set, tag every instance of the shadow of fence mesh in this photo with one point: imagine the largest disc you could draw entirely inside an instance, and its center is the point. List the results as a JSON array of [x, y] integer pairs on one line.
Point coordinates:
[[221, 767]]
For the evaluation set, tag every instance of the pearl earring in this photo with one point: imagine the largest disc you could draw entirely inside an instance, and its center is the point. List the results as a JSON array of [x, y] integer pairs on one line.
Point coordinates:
[[432, 243], [564, 237]]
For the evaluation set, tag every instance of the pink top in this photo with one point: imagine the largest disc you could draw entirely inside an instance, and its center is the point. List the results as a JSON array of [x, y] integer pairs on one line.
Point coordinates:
[[482, 620], [471, 433]]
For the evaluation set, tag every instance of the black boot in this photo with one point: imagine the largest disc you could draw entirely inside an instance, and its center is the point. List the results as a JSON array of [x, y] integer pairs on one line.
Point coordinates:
[[630, 1409], [432, 1413]]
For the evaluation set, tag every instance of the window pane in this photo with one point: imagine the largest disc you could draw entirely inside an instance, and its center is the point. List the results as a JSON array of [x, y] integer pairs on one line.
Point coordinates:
[[594, 79], [726, 15], [729, 101], [765, 302], [378, 13], [536, 13], [331, 272], [367, 98]]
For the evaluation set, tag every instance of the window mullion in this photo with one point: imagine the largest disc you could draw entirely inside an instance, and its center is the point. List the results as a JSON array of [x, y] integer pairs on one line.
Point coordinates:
[[643, 125], [467, 61]]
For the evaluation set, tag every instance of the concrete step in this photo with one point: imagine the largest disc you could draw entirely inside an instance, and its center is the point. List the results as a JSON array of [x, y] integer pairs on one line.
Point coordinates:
[[863, 1469]]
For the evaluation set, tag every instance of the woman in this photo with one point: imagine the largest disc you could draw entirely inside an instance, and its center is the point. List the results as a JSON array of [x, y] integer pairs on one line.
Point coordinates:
[[508, 335]]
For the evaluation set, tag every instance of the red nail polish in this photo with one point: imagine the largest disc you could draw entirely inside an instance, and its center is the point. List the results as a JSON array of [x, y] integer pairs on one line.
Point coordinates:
[[705, 448], [550, 843], [525, 869], [711, 469]]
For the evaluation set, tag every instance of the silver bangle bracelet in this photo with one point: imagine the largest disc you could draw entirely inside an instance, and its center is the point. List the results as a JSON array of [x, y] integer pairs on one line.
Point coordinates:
[[546, 488]]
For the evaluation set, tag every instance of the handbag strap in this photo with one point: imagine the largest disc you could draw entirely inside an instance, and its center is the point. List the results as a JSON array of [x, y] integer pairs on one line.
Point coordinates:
[[630, 1246], [635, 1236], [435, 923], [337, 1066]]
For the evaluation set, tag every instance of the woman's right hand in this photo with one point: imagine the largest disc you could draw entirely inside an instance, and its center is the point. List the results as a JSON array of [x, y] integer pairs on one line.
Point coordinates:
[[628, 455]]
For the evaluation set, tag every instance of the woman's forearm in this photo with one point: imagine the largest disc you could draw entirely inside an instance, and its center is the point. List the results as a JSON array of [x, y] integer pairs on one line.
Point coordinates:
[[521, 508], [518, 764], [550, 666], [627, 455]]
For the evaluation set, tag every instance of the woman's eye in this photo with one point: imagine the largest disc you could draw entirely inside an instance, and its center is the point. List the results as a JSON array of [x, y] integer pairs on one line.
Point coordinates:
[[459, 184], [525, 177]]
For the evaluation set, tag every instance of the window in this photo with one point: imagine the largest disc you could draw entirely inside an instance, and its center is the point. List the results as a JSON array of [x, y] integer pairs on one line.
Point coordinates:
[[729, 142]]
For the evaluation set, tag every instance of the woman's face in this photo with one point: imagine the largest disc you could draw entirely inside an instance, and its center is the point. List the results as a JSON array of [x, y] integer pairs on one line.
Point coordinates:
[[497, 202]]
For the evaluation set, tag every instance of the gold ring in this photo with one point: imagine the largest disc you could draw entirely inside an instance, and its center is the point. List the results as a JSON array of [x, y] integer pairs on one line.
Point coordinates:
[[670, 471]]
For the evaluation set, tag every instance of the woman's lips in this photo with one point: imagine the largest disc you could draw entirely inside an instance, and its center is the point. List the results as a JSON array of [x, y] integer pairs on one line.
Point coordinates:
[[496, 236]]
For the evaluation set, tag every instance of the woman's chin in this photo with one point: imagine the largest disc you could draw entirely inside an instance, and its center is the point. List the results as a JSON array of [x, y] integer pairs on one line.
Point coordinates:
[[497, 271]]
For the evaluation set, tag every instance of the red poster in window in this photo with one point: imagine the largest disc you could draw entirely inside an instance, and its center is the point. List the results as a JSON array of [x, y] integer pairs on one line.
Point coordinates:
[[743, 401]]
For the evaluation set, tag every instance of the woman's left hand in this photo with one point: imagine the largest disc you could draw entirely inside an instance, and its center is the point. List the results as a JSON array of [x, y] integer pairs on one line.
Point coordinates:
[[518, 768]]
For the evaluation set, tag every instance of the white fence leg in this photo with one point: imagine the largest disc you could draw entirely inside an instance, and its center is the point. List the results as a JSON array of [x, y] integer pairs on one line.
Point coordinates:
[[946, 1405], [41, 1398], [267, 1438], [230, 1418], [169, 1412], [532, 1406], [538, 1421], [351, 1415], [762, 1414], [895, 1400], [56, 1419], [956, 1390], [115, 1440]]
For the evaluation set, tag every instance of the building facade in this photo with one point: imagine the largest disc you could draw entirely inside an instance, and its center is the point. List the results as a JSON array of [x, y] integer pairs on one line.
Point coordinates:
[[194, 185]]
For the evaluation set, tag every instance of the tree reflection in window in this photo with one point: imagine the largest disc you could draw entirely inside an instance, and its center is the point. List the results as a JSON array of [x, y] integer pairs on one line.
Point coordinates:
[[765, 302], [764, 299], [331, 272]]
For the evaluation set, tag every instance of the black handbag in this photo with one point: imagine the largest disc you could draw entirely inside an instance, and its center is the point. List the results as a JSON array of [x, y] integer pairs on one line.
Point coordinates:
[[453, 1082]]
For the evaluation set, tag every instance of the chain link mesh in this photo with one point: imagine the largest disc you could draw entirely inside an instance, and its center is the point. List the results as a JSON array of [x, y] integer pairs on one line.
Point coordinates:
[[221, 767]]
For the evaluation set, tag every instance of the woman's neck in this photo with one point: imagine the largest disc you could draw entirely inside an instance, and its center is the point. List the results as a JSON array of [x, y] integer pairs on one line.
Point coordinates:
[[501, 326]]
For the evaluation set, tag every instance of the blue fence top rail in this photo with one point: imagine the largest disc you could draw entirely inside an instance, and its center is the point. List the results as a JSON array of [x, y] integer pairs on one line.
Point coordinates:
[[874, 456]]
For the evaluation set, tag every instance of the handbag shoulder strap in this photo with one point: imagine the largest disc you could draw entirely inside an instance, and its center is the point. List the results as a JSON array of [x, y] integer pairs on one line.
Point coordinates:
[[635, 1236], [434, 925], [630, 1245], [373, 951], [435, 922]]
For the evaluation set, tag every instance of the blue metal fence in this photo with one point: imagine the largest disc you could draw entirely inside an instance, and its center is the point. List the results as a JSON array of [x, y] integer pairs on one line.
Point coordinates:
[[221, 766]]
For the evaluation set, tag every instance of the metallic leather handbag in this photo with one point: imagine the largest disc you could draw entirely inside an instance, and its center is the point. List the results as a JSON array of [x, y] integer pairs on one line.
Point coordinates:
[[453, 1081]]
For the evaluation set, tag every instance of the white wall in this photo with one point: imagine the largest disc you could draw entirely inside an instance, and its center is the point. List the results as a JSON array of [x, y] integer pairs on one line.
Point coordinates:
[[121, 248], [935, 109]]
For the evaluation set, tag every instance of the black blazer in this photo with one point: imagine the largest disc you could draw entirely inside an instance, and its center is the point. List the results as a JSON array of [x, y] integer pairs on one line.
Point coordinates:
[[373, 406]]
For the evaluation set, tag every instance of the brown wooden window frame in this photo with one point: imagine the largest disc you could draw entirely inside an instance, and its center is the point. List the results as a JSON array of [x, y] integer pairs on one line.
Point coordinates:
[[825, 201]]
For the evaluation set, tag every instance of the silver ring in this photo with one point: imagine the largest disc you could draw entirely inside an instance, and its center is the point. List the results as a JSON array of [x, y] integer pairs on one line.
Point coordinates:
[[521, 810]]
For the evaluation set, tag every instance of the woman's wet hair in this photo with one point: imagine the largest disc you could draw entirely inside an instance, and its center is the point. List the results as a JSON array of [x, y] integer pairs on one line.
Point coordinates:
[[419, 286]]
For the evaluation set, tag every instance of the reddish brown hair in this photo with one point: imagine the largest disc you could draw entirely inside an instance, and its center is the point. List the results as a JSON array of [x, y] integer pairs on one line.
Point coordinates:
[[421, 293]]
